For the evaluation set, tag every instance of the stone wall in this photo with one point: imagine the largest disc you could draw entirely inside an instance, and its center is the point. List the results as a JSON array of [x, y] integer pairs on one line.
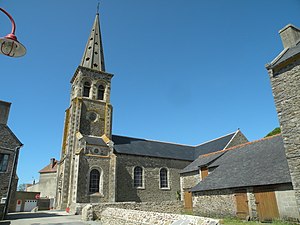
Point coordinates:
[[238, 139], [122, 216], [189, 180], [86, 164], [163, 207], [220, 203], [151, 191], [214, 203], [286, 202], [12, 200], [285, 80], [47, 185], [1, 211], [5, 176], [141, 213]]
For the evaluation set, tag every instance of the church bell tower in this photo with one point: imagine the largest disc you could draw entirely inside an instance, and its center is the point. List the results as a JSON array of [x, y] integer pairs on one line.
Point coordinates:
[[86, 169]]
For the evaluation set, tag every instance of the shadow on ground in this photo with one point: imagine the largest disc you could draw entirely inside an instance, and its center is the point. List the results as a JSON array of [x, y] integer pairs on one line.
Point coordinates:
[[17, 216], [4, 222]]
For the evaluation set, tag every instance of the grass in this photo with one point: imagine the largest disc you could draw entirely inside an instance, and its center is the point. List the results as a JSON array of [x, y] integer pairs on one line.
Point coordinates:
[[240, 222]]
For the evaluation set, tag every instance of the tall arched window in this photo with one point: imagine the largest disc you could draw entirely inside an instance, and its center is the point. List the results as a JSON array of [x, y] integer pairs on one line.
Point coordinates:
[[100, 94], [86, 89], [94, 181], [163, 178], [138, 177]]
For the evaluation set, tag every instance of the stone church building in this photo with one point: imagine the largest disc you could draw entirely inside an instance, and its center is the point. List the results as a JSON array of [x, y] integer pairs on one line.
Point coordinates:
[[230, 172], [97, 166]]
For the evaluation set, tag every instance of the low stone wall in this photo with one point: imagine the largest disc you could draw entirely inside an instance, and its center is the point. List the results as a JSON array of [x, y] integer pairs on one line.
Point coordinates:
[[124, 216], [93, 211], [214, 203]]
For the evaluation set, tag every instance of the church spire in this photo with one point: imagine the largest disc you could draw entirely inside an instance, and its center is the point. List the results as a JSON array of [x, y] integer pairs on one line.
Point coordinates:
[[93, 56]]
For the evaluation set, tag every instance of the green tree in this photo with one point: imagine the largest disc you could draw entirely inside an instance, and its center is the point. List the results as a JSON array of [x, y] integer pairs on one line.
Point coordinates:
[[277, 130]]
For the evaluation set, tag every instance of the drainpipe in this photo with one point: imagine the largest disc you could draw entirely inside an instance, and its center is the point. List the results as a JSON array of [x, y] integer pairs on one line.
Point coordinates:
[[13, 171]]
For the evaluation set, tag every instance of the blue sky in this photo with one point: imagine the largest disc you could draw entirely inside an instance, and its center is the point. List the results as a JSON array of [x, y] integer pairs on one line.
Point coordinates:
[[185, 71]]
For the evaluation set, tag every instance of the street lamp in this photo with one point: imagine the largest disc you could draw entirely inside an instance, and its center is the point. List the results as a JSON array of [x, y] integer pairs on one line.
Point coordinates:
[[9, 45]]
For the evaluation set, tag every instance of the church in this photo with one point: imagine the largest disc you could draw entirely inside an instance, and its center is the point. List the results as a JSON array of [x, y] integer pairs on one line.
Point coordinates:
[[97, 166], [227, 176]]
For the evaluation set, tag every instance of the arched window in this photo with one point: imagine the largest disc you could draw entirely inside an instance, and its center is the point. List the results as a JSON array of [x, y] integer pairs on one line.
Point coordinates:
[[86, 89], [138, 177], [94, 181], [163, 178], [100, 94]]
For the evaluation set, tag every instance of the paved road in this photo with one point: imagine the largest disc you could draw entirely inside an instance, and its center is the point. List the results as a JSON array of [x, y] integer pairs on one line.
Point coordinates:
[[45, 217]]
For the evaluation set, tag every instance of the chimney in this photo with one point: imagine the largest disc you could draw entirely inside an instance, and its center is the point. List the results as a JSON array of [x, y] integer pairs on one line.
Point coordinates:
[[4, 111], [290, 36], [52, 161]]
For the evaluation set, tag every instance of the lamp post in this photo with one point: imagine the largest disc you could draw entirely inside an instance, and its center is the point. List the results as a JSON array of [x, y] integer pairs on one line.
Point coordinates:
[[9, 45]]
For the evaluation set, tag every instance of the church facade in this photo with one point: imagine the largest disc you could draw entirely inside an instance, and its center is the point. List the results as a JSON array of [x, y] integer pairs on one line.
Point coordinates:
[[97, 166]]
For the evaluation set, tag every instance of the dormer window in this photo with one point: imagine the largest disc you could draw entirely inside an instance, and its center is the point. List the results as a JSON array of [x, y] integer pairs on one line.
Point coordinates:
[[86, 89], [100, 94]]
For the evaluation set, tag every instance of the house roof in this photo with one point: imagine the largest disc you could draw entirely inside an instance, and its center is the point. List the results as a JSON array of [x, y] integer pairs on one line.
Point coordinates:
[[92, 140], [7, 138], [260, 162], [50, 168], [284, 55], [214, 145], [143, 147], [201, 161]]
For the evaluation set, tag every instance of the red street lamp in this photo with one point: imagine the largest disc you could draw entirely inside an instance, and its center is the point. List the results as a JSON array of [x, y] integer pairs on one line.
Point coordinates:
[[9, 45]]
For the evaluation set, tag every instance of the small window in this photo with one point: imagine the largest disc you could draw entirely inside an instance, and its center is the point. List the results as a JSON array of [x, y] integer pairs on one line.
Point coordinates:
[[94, 181], [163, 176], [100, 95], [3, 162], [138, 177], [86, 89], [204, 172]]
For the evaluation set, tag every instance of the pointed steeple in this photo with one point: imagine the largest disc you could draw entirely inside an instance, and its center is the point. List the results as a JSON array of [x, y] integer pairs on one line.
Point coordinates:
[[93, 57]]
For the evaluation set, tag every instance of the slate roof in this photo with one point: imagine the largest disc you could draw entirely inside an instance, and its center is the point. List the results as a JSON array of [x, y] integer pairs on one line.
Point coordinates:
[[201, 161], [214, 145], [92, 140], [50, 168], [7, 138], [261, 162], [284, 55], [143, 147]]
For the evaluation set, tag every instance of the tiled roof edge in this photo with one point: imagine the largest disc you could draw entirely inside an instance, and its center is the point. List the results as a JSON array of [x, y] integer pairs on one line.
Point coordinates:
[[239, 146]]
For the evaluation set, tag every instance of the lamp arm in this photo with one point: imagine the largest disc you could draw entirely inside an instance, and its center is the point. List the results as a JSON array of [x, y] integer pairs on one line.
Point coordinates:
[[11, 19]]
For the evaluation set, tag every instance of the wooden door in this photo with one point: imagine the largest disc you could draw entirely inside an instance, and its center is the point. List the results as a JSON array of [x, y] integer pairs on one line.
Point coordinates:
[[188, 201], [242, 209], [266, 205]]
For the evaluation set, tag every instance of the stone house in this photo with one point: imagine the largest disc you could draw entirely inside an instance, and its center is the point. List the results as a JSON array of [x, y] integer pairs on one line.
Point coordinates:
[[258, 179], [9, 152], [241, 181], [47, 182]]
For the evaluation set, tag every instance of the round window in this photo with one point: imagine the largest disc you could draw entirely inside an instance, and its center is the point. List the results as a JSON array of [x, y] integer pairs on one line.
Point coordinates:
[[96, 150], [92, 116]]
